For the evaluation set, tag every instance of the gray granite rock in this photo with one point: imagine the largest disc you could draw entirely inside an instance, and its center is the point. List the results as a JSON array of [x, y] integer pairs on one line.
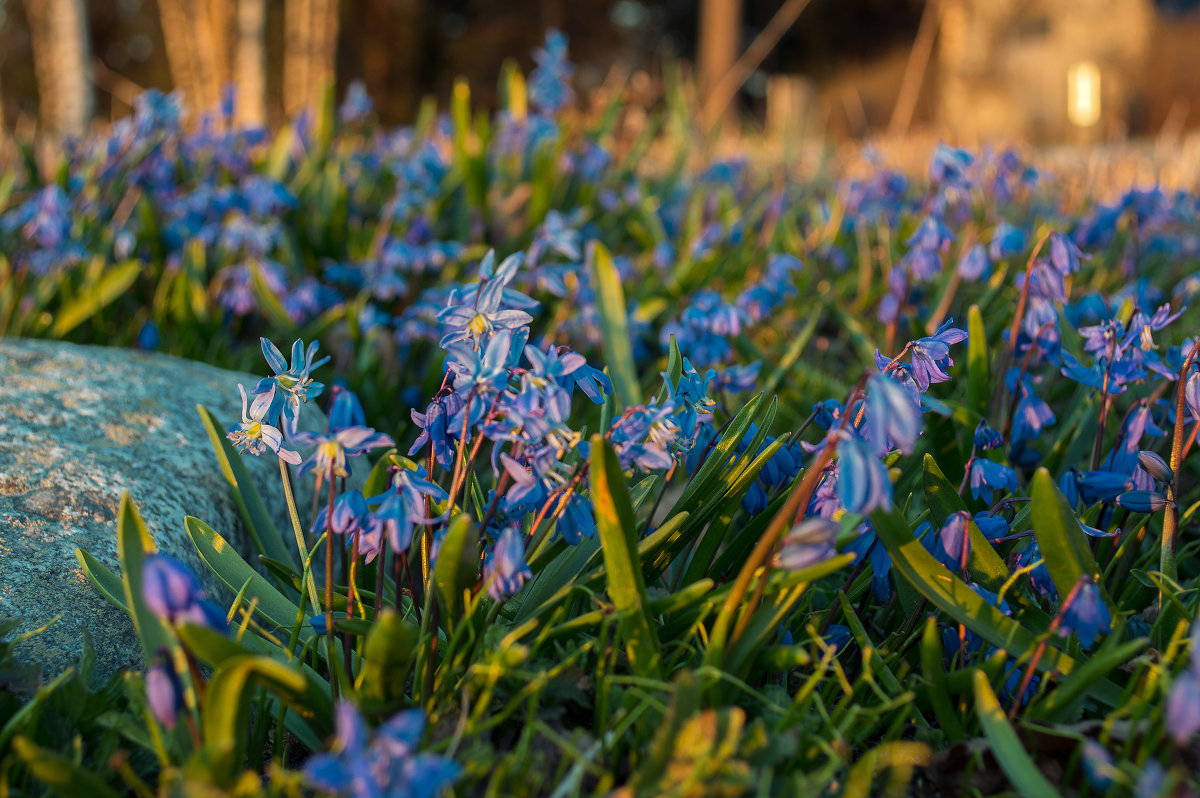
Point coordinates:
[[78, 426]]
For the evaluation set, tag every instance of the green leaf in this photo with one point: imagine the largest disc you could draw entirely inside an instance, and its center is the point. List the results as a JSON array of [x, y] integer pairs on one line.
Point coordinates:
[[932, 657], [234, 572], [1057, 706], [702, 483], [390, 650], [457, 567], [1062, 541], [985, 565], [978, 367], [113, 282], [269, 304], [133, 544], [1021, 770], [314, 723], [952, 596], [674, 368], [253, 510], [225, 717], [614, 325], [618, 541], [60, 774], [107, 583]]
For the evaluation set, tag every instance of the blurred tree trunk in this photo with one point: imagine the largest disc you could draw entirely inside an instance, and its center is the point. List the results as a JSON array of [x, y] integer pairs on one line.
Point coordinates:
[[719, 40], [296, 56], [310, 61], [181, 51], [251, 65], [62, 62], [196, 35]]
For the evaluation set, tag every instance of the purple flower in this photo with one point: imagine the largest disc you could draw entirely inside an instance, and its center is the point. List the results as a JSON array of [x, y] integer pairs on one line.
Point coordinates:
[[505, 569], [334, 447], [931, 356], [954, 540], [164, 694], [809, 543], [173, 593], [255, 435], [1183, 705]]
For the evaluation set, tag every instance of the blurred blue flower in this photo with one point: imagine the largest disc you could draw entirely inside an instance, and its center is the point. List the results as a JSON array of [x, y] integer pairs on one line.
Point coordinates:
[[505, 570], [172, 591], [1085, 613], [382, 765]]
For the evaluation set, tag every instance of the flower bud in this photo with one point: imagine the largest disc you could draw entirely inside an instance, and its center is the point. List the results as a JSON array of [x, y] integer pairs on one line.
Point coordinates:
[[164, 694], [1155, 466], [1142, 501]]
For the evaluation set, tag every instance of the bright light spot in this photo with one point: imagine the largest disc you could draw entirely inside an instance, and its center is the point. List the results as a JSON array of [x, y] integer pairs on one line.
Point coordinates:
[[1083, 93]]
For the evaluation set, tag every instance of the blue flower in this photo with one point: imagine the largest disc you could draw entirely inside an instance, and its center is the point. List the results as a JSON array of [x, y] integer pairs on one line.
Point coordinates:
[[349, 514], [383, 765], [292, 384], [988, 476], [974, 264], [1085, 613], [1155, 466], [892, 417], [173, 593], [435, 428], [992, 526], [1142, 501], [594, 383], [254, 434], [863, 483], [333, 448], [400, 509], [987, 438], [809, 543], [478, 311], [1101, 486], [505, 570], [484, 372], [1064, 255], [931, 356], [1007, 240]]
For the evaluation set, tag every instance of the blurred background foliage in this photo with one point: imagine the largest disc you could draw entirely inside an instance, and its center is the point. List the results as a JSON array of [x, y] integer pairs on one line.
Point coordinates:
[[968, 70]]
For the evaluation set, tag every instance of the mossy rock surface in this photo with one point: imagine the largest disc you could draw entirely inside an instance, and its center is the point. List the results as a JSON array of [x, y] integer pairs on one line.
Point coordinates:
[[78, 426]]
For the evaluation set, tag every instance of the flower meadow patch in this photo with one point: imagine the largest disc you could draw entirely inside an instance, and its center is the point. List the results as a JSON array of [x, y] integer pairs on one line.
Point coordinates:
[[640, 477]]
